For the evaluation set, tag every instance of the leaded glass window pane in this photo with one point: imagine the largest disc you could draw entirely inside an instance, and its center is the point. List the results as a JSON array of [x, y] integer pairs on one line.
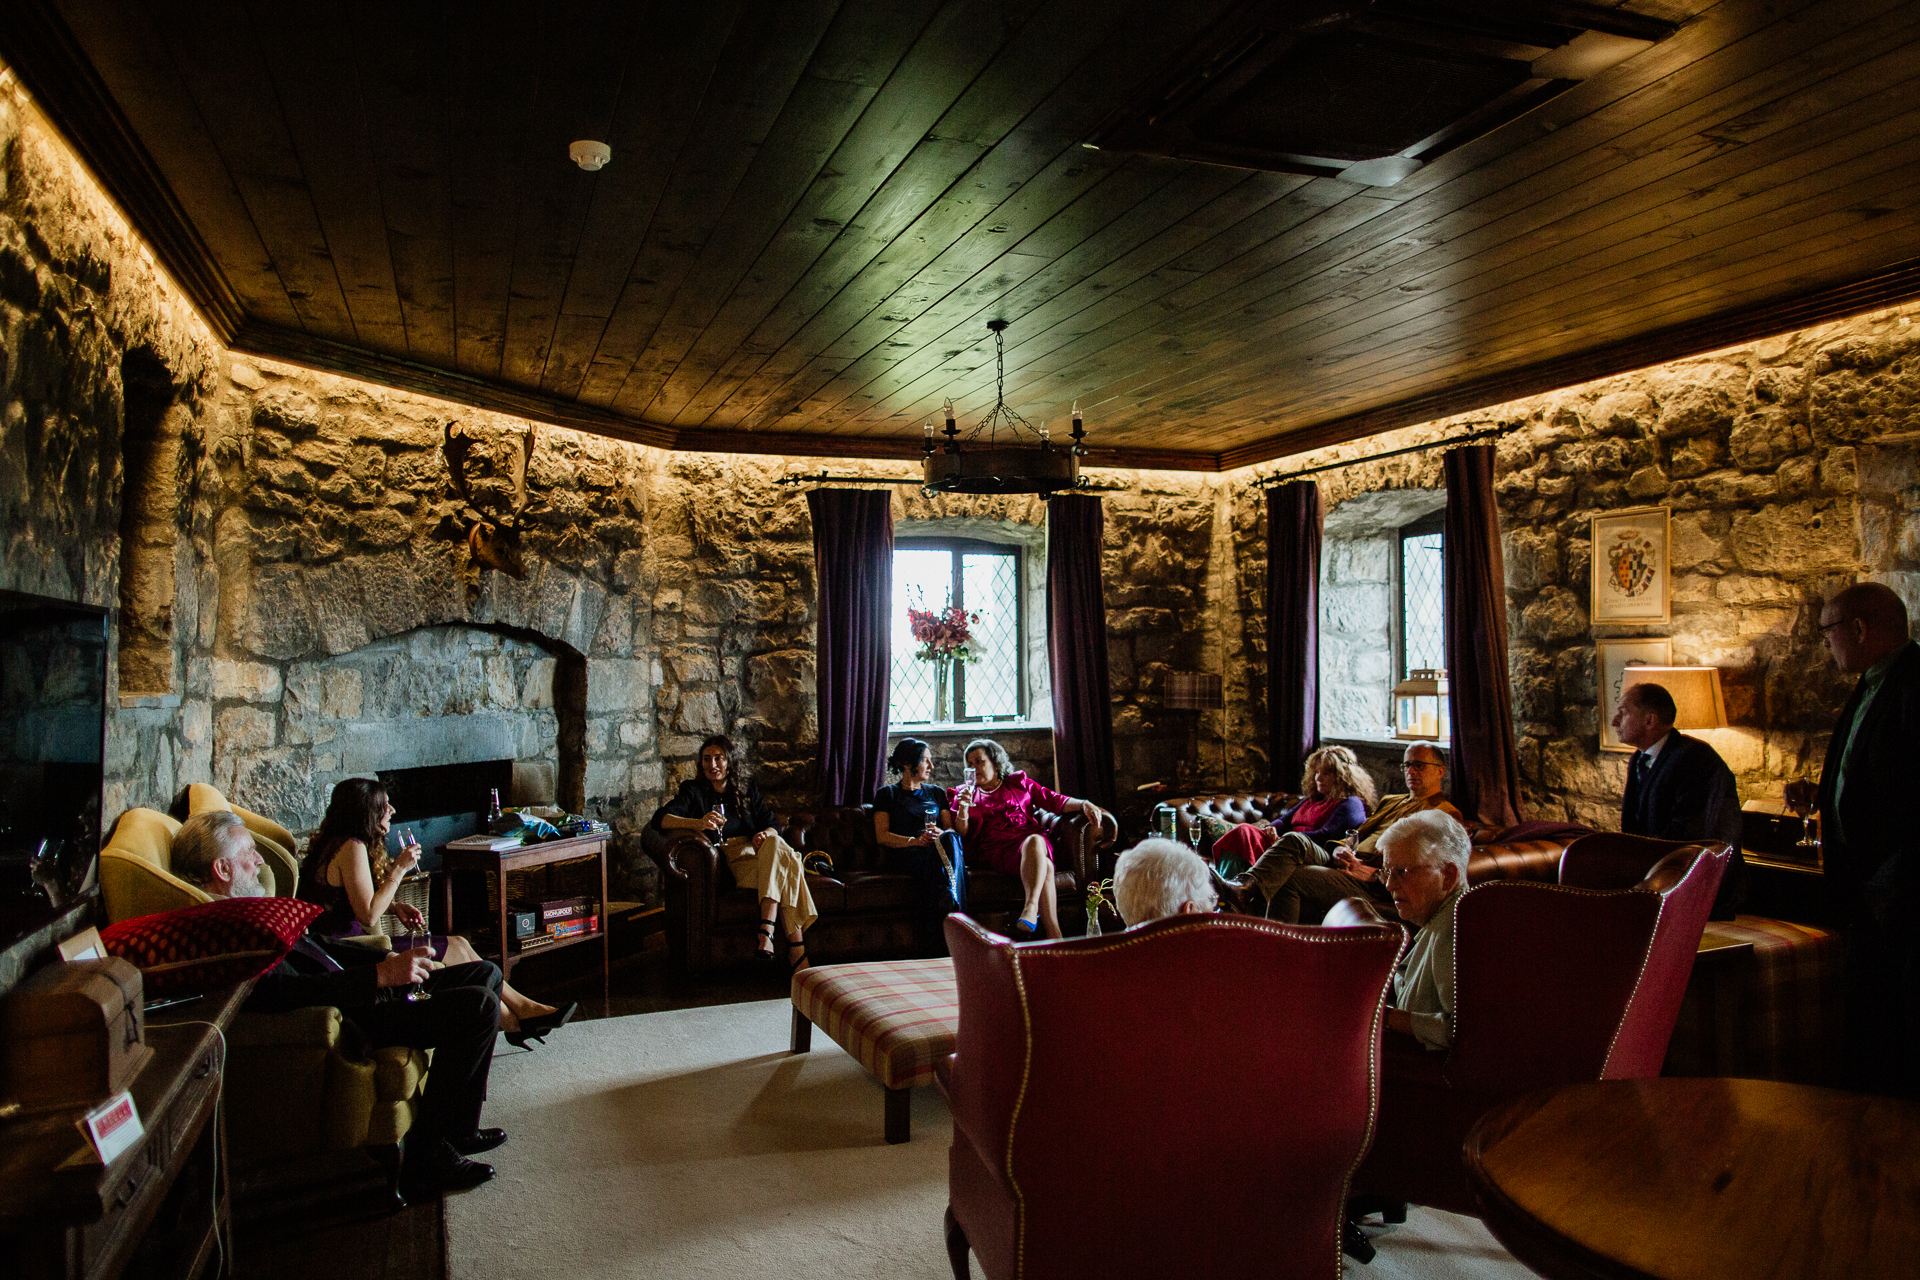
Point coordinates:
[[986, 582], [1423, 639], [991, 584]]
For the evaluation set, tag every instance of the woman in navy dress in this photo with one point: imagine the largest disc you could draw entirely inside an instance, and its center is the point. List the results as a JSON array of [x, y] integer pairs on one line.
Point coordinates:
[[915, 816]]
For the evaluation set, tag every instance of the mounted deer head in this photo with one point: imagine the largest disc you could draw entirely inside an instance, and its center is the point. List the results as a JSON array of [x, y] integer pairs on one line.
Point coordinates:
[[492, 541]]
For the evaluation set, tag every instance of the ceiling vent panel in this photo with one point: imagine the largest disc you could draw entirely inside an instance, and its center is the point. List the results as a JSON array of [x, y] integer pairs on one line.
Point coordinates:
[[1366, 92]]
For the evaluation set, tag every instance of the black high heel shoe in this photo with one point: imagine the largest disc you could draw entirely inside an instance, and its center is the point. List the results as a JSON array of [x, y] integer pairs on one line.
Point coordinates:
[[537, 1029], [766, 932]]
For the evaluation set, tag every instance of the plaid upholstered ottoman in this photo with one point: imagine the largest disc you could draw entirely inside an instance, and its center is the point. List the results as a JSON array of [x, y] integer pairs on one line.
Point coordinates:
[[896, 1017]]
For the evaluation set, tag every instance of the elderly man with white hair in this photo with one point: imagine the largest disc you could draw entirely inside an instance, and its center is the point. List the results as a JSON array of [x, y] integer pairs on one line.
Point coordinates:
[[1159, 878], [455, 1009], [1423, 864]]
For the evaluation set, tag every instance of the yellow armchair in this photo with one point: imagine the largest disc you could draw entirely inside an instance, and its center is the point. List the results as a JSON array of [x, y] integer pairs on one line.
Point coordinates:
[[293, 1088], [136, 868]]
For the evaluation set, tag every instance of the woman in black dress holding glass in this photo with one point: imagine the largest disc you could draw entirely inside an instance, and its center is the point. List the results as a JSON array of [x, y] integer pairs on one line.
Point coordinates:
[[915, 816], [720, 801]]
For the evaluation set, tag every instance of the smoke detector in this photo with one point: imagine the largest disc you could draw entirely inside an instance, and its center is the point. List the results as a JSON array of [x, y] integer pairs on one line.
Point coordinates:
[[591, 156]]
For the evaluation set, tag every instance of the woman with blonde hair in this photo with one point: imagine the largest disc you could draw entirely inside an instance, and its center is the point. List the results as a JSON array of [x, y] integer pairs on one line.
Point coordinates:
[[1335, 795]]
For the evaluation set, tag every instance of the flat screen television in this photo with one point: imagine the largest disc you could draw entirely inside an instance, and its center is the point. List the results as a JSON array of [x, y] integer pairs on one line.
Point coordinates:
[[53, 692]]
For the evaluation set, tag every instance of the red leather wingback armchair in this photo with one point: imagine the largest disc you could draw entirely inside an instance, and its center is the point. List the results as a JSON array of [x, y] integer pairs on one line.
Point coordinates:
[[1553, 984], [1083, 1086]]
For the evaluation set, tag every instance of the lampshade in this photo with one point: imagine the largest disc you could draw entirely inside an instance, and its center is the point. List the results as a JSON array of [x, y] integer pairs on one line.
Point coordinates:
[[1697, 700]]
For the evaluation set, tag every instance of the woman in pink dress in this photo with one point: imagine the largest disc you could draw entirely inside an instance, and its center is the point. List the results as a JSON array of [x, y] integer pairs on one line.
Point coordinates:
[[993, 812]]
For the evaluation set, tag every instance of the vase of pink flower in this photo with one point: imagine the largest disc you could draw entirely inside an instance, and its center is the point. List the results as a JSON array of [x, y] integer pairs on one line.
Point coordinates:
[[945, 636]]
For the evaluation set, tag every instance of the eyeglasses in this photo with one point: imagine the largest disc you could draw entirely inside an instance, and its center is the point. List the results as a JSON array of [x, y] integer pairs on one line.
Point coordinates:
[[1390, 874], [1828, 626], [1411, 765]]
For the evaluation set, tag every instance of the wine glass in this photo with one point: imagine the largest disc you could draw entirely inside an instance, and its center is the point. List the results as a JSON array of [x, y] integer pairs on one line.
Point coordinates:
[[1800, 796]]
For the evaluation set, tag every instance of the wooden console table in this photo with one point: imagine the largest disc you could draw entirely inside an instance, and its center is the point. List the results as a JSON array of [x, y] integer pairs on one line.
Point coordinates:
[[162, 1208], [519, 858]]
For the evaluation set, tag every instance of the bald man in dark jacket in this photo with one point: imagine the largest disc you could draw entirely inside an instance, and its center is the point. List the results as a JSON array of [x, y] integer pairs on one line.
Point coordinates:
[[1678, 788]]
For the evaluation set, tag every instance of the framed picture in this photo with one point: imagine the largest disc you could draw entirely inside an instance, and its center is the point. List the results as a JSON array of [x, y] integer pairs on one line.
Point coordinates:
[[1615, 656], [1631, 582]]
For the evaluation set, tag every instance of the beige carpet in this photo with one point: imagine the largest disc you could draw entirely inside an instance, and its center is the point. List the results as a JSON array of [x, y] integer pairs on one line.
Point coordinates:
[[690, 1144]]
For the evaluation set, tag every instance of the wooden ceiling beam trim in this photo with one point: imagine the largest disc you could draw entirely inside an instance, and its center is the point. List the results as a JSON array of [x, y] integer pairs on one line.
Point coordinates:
[[313, 76], [292, 347], [50, 60], [942, 61], [760, 68], [1896, 285]]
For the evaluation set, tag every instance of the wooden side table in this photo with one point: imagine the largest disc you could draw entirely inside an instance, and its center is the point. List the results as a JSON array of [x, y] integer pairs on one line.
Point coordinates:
[[500, 862], [1691, 1179], [162, 1207]]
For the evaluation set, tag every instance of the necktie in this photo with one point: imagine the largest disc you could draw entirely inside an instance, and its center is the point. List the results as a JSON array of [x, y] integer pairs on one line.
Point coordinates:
[[1642, 766]]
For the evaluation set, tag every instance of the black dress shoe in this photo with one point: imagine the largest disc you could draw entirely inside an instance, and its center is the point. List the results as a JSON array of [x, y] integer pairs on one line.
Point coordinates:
[[477, 1141], [424, 1179]]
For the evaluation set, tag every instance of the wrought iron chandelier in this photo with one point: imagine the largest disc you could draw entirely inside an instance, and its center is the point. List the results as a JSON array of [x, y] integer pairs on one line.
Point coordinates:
[[965, 466]]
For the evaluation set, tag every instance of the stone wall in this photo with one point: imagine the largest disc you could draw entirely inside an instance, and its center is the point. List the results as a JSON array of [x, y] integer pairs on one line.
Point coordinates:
[[1791, 466], [297, 541]]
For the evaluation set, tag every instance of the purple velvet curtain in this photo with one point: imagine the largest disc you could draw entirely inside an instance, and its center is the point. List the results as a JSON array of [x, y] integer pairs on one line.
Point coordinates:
[[1484, 766], [1077, 650], [1295, 516], [853, 566]]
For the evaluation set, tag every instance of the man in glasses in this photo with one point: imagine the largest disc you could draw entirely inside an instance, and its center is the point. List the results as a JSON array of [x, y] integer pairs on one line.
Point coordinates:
[[1297, 880], [1870, 850], [1423, 864]]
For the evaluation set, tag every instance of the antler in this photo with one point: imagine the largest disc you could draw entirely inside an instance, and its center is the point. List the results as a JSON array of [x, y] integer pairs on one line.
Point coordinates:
[[457, 446]]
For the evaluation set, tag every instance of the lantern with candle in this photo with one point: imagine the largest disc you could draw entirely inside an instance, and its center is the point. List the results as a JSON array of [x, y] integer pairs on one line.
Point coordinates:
[[1420, 706]]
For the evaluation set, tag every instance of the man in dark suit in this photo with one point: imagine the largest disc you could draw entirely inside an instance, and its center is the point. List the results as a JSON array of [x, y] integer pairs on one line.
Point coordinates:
[[1678, 788], [458, 1019], [1871, 846]]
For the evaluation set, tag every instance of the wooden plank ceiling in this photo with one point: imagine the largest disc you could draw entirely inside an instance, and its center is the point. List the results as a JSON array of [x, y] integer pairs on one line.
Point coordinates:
[[815, 206]]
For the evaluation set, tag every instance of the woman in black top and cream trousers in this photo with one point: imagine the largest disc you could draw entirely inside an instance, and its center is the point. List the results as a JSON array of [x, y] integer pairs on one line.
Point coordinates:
[[731, 810]]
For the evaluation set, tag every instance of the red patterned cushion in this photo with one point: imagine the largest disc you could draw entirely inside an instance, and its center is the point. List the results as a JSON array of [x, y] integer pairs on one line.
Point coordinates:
[[213, 944]]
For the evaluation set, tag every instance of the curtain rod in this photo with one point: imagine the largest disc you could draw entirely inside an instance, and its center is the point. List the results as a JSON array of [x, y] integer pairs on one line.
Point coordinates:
[[1490, 433], [1084, 485]]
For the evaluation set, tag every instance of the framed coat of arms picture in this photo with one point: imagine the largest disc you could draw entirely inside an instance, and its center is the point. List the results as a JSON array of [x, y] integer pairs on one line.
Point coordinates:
[[1631, 582]]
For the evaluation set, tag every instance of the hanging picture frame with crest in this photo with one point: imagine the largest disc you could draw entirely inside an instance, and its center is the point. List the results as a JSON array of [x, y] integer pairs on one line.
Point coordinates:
[[1632, 581]]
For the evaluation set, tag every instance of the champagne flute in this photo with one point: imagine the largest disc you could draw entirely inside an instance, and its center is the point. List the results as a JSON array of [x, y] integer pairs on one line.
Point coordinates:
[[1800, 795]]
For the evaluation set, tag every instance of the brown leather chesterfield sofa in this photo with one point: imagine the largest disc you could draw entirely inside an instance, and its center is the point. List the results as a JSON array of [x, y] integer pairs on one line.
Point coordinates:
[[869, 906], [1513, 860]]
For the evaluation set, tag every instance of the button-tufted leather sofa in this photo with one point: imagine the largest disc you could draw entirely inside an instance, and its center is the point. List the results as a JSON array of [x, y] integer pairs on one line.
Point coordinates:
[[1516, 860], [869, 907]]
